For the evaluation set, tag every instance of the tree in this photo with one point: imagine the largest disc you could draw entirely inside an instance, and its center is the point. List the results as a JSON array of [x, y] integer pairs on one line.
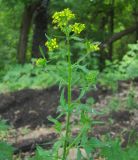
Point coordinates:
[[24, 32], [40, 27], [111, 27], [36, 10], [107, 21]]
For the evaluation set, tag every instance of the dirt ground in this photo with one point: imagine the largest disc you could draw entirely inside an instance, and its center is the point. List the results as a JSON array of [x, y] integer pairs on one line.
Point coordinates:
[[30, 108]]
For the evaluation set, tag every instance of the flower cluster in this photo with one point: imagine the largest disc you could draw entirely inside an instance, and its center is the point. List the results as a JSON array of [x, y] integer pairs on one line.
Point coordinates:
[[92, 47], [52, 44], [77, 27], [41, 62], [62, 18]]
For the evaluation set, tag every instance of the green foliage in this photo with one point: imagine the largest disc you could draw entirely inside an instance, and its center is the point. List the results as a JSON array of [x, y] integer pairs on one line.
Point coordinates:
[[96, 15], [27, 76], [114, 103], [113, 151], [34, 76], [6, 151], [3, 128], [42, 154], [126, 69], [131, 101], [9, 33], [128, 65]]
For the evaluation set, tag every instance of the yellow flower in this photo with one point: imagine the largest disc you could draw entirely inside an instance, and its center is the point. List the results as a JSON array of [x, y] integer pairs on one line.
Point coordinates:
[[52, 44], [95, 47], [77, 27], [92, 47], [41, 62], [62, 18]]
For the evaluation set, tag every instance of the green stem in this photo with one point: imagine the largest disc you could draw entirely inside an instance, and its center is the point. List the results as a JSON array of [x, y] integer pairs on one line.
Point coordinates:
[[81, 59], [76, 139], [65, 153]]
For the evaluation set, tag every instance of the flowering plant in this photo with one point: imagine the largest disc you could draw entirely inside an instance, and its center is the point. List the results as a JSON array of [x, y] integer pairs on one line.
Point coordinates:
[[64, 21], [52, 44]]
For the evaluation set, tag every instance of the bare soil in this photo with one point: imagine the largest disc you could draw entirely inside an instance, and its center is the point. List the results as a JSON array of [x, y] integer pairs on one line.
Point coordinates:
[[30, 108]]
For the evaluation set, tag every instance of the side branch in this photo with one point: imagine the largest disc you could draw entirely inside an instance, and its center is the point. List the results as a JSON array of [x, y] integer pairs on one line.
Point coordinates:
[[118, 36]]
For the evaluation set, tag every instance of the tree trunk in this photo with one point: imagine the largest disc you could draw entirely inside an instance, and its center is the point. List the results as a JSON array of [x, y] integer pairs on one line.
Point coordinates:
[[103, 53], [25, 27], [40, 27], [24, 32], [135, 13], [110, 56]]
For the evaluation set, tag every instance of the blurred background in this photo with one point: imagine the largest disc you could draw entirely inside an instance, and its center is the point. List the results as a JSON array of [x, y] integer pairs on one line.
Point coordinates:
[[24, 23]]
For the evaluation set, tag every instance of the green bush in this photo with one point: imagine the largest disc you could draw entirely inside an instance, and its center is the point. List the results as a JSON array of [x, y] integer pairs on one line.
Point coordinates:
[[113, 151], [126, 69]]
